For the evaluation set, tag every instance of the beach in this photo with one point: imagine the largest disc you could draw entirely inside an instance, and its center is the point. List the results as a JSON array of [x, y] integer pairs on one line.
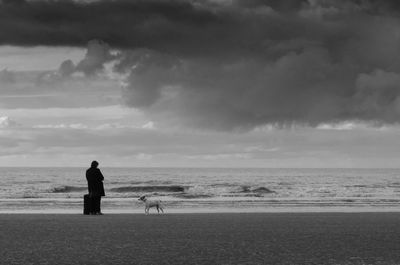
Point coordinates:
[[202, 238]]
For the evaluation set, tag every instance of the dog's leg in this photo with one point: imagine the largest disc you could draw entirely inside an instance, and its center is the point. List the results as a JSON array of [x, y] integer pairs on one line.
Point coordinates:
[[158, 209], [161, 209]]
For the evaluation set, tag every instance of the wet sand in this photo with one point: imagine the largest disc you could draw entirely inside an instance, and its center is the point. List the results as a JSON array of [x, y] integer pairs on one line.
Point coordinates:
[[243, 238]]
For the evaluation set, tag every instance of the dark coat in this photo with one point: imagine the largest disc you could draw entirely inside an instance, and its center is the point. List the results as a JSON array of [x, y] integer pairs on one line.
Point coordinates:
[[95, 182]]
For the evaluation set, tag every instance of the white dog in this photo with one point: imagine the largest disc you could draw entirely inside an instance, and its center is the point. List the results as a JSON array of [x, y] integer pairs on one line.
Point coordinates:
[[151, 203]]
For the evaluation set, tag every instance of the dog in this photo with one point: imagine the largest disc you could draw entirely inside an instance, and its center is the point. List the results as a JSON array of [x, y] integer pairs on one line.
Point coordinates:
[[151, 203]]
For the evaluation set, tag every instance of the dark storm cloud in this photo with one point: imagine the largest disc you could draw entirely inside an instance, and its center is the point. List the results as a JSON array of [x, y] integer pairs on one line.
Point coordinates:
[[122, 24], [235, 63]]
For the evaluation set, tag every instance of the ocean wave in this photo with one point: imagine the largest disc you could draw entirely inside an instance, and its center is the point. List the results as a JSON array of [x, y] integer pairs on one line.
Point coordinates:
[[172, 188], [263, 190], [193, 196], [67, 189], [248, 195], [140, 182], [246, 189], [223, 185]]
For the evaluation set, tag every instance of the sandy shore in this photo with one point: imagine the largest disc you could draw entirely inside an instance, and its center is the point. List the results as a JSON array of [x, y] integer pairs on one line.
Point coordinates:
[[274, 238]]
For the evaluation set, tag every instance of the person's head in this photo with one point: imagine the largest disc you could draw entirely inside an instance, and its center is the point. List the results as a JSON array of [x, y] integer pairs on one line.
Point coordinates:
[[94, 164]]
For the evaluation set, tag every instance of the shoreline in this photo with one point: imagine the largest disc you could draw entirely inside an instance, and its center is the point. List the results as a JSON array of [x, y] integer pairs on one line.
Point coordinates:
[[131, 205], [78, 209], [209, 210]]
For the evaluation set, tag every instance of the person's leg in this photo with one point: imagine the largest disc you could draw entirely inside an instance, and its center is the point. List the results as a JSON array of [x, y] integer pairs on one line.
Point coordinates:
[[96, 204], [92, 203]]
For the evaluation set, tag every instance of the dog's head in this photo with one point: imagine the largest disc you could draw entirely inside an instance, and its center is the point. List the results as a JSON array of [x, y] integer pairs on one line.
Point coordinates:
[[142, 198]]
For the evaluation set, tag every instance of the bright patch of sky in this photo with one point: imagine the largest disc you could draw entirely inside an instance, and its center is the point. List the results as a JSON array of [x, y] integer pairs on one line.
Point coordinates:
[[37, 58]]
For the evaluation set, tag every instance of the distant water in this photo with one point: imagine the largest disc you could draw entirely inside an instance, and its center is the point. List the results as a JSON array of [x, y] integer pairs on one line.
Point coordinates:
[[204, 189]]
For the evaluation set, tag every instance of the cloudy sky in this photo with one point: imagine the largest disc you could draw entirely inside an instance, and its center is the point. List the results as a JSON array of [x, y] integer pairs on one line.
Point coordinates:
[[211, 83]]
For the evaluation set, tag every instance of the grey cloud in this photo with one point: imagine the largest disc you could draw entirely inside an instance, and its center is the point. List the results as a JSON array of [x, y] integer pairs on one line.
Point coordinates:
[[7, 122], [279, 5], [232, 64], [12, 2], [122, 24], [314, 66], [378, 95], [7, 77], [98, 53], [149, 72], [273, 147], [67, 68]]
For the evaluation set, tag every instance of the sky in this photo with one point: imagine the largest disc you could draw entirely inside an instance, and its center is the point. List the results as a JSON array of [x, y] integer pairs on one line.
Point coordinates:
[[211, 83]]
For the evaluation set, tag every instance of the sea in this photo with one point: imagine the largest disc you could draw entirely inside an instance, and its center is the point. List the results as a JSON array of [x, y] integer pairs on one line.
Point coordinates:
[[196, 190]]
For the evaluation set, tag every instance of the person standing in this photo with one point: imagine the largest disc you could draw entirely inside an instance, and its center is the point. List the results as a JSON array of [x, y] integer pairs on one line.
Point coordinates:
[[95, 179]]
